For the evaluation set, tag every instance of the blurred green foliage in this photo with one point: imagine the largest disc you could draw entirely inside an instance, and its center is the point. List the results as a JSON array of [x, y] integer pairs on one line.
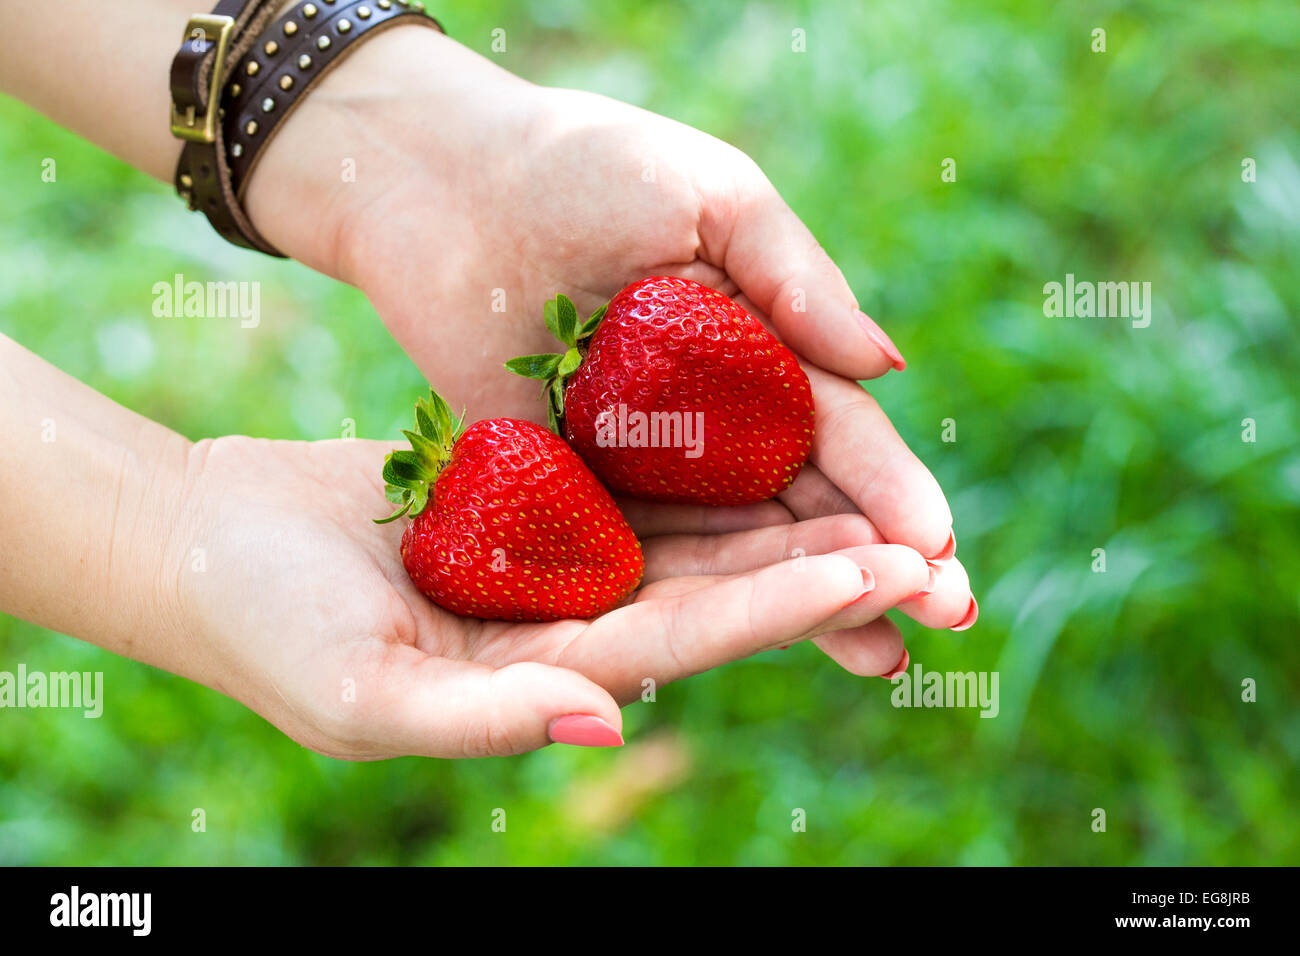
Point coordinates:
[[1119, 690]]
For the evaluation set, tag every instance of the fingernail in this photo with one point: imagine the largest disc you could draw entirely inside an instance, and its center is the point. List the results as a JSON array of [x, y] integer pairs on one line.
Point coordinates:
[[868, 582], [900, 667], [584, 730], [948, 550], [929, 587], [881, 340], [972, 615]]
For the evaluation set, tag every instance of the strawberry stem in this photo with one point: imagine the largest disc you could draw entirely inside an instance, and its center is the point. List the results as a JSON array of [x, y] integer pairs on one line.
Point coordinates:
[[556, 368], [409, 475]]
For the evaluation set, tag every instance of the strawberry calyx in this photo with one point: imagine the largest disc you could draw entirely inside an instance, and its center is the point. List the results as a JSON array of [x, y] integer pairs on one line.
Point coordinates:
[[555, 368], [409, 474]]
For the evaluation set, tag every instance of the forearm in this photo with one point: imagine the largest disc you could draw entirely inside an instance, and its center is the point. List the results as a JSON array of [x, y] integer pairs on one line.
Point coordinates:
[[102, 73], [89, 492], [348, 143]]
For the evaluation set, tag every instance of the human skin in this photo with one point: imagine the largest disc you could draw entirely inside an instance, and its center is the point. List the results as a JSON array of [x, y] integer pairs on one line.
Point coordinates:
[[251, 566], [472, 185]]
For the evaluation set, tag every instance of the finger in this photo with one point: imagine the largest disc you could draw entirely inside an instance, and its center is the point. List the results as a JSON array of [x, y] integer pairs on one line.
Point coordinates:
[[780, 267], [949, 603], [436, 707], [676, 555], [858, 450], [651, 518], [813, 494], [667, 638], [899, 572], [893, 570], [872, 650]]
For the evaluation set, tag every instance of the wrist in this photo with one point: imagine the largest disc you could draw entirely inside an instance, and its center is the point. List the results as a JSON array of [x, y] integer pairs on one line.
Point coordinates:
[[407, 110], [95, 491], [146, 553]]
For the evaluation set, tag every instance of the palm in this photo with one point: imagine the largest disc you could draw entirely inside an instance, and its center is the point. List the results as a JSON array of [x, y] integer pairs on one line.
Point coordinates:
[[604, 194], [314, 593]]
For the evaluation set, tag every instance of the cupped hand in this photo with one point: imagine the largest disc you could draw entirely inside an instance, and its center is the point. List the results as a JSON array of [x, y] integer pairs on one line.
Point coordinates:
[[301, 609], [477, 196]]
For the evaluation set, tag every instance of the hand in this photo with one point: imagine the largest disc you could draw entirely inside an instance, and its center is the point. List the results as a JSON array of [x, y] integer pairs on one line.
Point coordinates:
[[303, 612], [477, 189]]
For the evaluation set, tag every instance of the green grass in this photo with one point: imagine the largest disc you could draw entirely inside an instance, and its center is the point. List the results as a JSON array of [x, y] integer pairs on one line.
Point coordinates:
[[1119, 691]]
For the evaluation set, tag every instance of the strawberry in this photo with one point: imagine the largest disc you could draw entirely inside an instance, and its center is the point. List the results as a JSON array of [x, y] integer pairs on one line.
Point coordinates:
[[672, 391], [509, 524]]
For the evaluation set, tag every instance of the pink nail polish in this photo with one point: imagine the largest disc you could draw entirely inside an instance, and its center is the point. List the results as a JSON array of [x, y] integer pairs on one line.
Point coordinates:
[[881, 340], [584, 730], [972, 615], [900, 667], [948, 549]]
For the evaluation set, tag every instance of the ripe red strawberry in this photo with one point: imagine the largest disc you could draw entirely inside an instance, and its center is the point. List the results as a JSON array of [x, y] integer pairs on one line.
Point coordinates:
[[509, 523], [674, 392]]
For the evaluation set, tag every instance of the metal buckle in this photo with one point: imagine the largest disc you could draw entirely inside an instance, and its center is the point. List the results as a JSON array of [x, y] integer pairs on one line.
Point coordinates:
[[189, 125]]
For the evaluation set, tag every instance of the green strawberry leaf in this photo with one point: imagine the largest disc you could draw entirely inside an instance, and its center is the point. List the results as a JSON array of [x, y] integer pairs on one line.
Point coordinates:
[[555, 369], [566, 319], [409, 473], [395, 515], [552, 316], [429, 452], [535, 366], [569, 363], [589, 327], [424, 423]]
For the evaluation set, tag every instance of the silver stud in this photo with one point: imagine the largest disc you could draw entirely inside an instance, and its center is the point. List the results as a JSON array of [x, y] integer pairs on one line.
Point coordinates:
[[268, 104], [271, 48], [385, 4], [235, 89], [345, 25], [221, 113], [309, 11], [363, 13], [252, 68], [323, 43], [304, 62], [187, 180], [417, 6], [251, 127], [290, 28], [286, 82], [237, 150]]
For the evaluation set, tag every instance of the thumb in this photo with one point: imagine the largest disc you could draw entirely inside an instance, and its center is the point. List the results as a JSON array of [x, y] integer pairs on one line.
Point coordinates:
[[781, 268], [436, 707]]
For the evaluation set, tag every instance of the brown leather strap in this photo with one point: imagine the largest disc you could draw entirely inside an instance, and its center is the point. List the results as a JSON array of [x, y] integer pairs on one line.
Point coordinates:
[[203, 176], [285, 67], [268, 70]]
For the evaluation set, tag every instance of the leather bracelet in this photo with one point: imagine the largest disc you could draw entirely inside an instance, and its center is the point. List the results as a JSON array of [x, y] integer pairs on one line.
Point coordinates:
[[259, 78]]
